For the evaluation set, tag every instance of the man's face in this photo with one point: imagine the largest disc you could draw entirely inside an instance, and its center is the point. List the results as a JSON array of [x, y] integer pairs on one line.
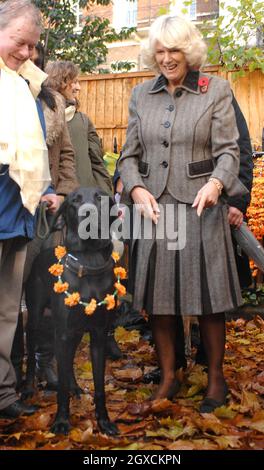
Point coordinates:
[[17, 41]]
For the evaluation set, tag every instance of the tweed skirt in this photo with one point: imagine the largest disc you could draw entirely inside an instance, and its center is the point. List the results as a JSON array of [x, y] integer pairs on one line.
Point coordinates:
[[187, 265]]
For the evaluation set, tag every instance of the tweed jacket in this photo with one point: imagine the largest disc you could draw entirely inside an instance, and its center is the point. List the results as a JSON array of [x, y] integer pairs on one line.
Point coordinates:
[[168, 133], [61, 153]]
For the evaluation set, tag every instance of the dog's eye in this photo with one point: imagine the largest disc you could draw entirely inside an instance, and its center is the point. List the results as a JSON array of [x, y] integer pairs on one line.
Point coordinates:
[[77, 198], [98, 196]]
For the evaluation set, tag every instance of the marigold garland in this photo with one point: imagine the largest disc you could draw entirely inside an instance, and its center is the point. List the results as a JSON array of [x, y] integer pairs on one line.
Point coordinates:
[[255, 212], [74, 298]]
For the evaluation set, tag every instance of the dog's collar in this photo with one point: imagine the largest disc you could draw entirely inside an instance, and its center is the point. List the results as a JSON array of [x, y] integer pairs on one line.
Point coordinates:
[[74, 298], [73, 264]]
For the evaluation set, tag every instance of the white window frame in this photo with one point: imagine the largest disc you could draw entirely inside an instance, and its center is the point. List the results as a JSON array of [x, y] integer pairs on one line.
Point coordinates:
[[125, 13], [77, 10], [193, 10]]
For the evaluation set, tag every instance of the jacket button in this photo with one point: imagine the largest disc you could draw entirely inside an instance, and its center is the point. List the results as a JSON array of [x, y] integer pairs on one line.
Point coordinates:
[[171, 107], [178, 93], [167, 124], [164, 164], [165, 143]]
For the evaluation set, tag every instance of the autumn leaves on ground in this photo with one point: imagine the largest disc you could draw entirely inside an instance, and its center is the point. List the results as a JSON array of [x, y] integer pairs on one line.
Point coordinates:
[[162, 424]]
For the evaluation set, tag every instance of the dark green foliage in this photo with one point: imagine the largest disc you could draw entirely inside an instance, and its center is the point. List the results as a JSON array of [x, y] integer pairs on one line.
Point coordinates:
[[86, 47], [232, 39]]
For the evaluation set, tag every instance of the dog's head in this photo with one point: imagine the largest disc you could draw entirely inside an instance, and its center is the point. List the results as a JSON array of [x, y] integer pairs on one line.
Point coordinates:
[[86, 213]]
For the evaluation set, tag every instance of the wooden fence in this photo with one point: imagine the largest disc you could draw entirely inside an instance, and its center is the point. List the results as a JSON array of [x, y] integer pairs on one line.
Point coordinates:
[[105, 99]]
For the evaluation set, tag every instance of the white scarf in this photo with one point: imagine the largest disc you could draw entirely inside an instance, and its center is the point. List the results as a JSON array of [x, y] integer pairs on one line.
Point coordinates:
[[70, 112], [22, 143]]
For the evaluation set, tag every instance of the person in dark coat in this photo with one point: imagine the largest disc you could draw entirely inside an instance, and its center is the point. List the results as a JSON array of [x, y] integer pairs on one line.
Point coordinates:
[[240, 204], [91, 171], [237, 213]]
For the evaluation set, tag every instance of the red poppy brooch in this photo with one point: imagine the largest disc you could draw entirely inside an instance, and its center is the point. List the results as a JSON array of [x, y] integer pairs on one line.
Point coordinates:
[[203, 83]]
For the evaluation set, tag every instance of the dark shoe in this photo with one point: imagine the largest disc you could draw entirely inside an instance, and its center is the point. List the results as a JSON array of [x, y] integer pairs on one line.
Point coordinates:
[[17, 409], [208, 404], [154, 376], [112, 349], [174, 389]]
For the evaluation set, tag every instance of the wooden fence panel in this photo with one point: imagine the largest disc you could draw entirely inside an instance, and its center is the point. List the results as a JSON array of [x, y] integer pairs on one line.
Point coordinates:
[[105, 99]]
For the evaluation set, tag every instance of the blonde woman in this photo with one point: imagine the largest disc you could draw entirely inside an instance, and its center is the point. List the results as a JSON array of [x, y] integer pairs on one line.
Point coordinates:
[[181, 153]]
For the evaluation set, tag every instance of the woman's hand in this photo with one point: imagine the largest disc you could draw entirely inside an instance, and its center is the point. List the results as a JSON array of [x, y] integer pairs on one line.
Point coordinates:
[[206, 197], [146, 203]]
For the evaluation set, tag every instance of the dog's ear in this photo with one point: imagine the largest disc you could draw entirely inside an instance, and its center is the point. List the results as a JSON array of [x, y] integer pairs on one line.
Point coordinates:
[[59, 219]]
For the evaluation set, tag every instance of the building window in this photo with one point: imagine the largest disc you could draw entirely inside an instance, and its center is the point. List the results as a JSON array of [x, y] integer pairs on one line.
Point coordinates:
[[183, 8], [192, 11], [125, 14], [78, 14]]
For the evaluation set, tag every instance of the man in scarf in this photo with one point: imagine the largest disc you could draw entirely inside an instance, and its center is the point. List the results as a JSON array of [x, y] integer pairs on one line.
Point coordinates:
[[24, 175]]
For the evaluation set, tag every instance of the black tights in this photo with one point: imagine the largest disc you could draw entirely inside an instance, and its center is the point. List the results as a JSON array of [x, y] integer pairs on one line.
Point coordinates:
[[212, 328]]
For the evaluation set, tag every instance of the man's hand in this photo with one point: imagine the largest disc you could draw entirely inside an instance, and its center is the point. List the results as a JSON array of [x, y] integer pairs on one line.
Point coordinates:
[[53, 202], [206, 197], [235, 216], [146, 203]]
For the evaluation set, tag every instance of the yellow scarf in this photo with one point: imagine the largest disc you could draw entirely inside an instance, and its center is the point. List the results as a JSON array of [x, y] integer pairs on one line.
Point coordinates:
[[22, 143]]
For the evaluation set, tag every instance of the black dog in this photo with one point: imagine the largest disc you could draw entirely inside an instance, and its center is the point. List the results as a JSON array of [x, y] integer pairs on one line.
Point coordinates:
[[88, 269]]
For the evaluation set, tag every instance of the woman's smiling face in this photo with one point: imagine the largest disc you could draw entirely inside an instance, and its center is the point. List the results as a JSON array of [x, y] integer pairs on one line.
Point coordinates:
[[172, 63]]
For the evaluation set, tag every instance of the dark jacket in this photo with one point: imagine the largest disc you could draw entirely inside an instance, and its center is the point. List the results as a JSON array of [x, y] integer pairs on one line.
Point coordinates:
[[246, 161], [89, 157]]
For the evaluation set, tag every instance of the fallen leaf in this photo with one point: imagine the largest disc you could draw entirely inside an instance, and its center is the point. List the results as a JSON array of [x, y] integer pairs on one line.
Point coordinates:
[[160, 405], [249, 402], [141, 409], [225, 412], [210, 423], [129, 374], [124, 336], [228, 441]]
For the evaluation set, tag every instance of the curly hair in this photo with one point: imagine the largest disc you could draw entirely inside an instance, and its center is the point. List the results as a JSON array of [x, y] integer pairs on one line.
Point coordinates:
[[12, 9], [60, 73], [175, 32]]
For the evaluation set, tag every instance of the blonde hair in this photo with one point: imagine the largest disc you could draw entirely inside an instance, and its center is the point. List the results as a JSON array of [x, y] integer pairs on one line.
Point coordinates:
[[175, 32], [60, 73]]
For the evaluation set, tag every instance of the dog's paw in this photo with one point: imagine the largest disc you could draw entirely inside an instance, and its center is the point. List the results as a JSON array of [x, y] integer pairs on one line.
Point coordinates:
[[61, 426], [106, 427]]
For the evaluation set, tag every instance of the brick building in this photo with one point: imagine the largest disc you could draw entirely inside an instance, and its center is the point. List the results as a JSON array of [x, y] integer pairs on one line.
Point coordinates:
[[140, 14]]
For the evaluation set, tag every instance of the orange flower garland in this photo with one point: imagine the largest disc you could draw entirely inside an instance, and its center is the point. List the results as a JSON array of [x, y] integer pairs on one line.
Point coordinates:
[[255, 212], [74, 298]]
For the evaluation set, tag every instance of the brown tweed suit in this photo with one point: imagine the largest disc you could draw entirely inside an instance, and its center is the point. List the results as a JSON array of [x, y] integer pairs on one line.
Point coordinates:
[[165, 134]]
